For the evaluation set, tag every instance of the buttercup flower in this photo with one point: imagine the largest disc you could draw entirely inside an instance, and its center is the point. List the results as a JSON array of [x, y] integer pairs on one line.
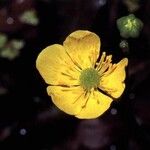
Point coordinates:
[[79, 83]]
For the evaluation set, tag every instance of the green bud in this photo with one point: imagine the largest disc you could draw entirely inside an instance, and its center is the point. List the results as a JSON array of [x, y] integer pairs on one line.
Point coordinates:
[[124, 44], [129, 26]]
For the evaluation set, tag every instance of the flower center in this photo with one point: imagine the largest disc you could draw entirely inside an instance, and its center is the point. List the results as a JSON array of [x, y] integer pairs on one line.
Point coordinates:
[[89, 78]]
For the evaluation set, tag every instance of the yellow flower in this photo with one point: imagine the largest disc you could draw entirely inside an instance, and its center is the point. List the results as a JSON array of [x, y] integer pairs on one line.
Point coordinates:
[[79, 84]]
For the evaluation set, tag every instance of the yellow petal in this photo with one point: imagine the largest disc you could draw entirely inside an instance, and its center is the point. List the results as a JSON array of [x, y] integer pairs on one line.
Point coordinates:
[[96, 105], [113, 83], [56, 67], [83, 47], [67, 99]]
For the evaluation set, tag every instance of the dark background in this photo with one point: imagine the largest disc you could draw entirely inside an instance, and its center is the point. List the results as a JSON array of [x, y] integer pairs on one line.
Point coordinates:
[[29, 120]]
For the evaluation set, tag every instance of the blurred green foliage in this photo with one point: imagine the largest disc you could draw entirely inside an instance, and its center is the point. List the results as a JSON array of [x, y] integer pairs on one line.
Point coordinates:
[[29, 17], [3, 40], [132, 5], [10, 49]]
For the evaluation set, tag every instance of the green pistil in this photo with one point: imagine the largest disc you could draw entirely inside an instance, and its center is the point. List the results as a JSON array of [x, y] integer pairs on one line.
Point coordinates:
[[89, 78]]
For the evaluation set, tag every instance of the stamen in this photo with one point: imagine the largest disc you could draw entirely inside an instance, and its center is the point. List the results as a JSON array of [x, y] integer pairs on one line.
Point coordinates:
[[78, 97], [111, 68], [99, 64], [87, 96], [105, 65]]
